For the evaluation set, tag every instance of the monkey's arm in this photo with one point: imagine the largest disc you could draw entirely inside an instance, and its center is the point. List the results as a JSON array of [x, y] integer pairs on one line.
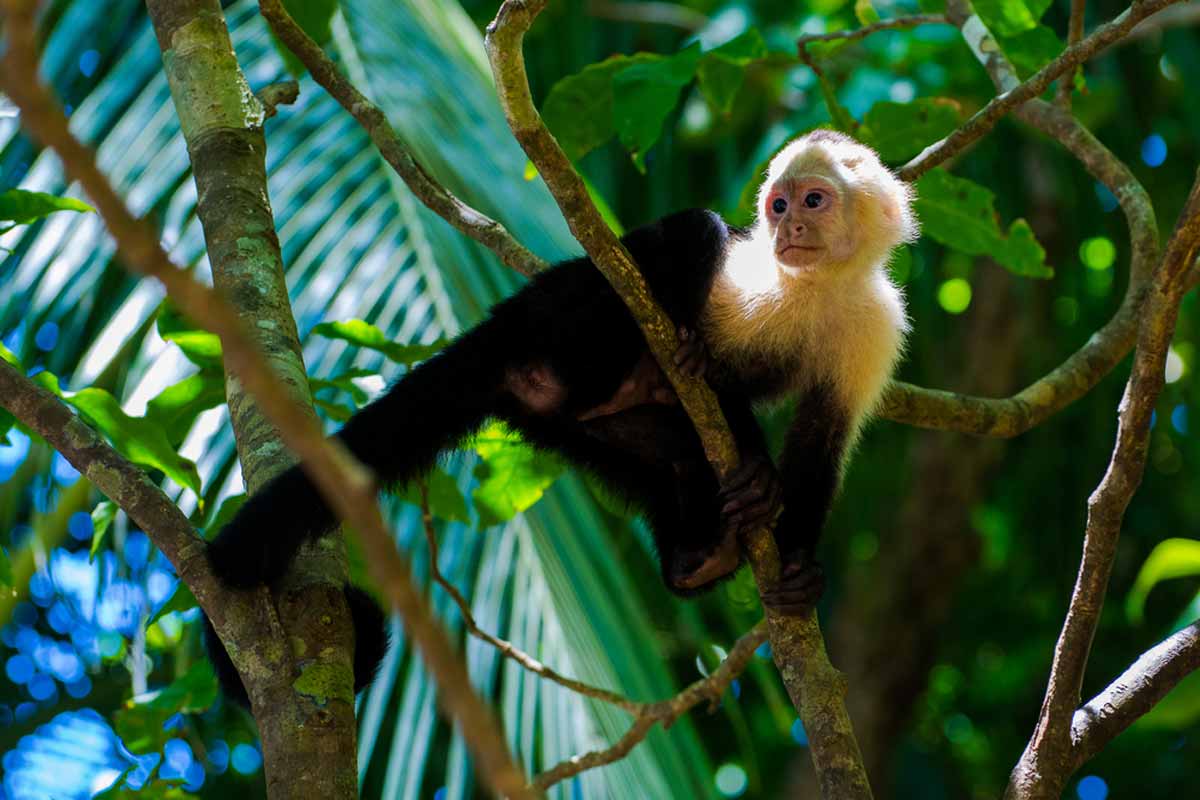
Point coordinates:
[[810, 471]]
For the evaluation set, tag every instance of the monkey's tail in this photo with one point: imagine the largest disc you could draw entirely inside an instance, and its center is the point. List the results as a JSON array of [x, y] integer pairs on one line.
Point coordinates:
[[370, 644], [398, 436]]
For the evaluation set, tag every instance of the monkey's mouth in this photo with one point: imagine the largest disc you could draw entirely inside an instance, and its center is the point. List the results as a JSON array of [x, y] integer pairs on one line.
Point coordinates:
[[797, 255]]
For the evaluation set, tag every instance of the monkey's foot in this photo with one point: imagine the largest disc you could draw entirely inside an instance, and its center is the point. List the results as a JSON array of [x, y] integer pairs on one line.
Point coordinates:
[[749, 497], [692, 355], [690, 571], [801, 584]]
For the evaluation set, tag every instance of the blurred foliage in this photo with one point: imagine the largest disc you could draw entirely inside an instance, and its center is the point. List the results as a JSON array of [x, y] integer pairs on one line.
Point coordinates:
[[661, 113]]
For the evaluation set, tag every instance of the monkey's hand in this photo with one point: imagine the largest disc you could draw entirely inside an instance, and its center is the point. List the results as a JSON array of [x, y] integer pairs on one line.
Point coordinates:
[[692, 355], [801, 584], [750, 496]]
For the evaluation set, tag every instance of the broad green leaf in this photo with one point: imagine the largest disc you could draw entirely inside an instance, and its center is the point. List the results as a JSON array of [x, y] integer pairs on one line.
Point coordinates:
[[229, 507], [335, 411], [445, 499], [22, 207], [898, 131], [140, 439], [723, 69], [140, 723], [579, 108], [177, 406], [1032, 49], [315, 17], [645, 94], [512, 475], [102, 516], [1006, 17], [344, 382], [364, 334], [1170, 558], [959, 213], [201, 347], [6, 573], [181, 600]]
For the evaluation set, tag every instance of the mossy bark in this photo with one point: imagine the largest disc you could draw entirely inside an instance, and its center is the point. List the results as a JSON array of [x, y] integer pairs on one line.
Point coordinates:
[[308, 736]]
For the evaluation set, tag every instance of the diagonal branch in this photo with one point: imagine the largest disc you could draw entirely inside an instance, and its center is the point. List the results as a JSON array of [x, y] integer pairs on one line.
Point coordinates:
[[986, 118], [898, 23], [817, 690], [478, 226], [346, 484], [1135, 692]]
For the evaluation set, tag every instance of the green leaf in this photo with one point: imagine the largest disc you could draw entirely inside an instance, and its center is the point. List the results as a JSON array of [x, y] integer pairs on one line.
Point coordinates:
[[6, 573], [102, 516], [865, 13], [141, 440], [1171, 558], [644, 94], [229, 507], [9, 357], [181, 600], [898, 131], [177, 406], [1032, 49], [316, 18], [364, 334], [140, 723], [445, 499], [22, 207], [201, 347], [959, 214], [512, 475], [723, 69], [335, 411], [344, 382], [579, 108], [1007, 17]]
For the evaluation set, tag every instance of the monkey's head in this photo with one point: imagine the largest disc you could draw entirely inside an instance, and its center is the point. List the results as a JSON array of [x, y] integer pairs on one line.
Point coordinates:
[[829, 206]]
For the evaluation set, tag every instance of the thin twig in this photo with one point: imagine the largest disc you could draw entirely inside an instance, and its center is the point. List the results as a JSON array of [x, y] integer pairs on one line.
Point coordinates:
[[506, 648], [345, 483], [898, 23], [1074, 33], [469, 221], [986, 118], [709, 688]]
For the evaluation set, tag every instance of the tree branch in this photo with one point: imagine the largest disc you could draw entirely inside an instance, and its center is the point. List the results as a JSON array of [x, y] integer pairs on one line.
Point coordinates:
[[987, 117], [1048, 759], [1074, 33], [476, 225], [817, 690], [345, 484], [898, 23], [1135, 692]]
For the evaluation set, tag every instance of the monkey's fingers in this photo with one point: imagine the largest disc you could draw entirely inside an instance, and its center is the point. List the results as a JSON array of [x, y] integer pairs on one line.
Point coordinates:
[[692, 355], [754, 482], [800, 587]]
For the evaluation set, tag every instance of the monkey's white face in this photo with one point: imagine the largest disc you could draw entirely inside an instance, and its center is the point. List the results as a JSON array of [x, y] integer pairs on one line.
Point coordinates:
[[805, 217]]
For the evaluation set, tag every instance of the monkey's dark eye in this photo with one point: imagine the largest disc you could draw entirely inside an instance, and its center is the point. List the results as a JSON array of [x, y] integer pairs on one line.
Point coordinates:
[[813, 199], [779, 206]]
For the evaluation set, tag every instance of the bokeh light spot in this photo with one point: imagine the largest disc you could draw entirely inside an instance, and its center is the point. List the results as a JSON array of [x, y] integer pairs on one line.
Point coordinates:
[[1179, 418], [88, 61], [1154, 150], [731, 780], [1091, 787], [799, 735], [80, 526], [1097, 253], [19, 669], [1108, 200], [954, 295], [1175, 366], [46, 336], [245, 759]]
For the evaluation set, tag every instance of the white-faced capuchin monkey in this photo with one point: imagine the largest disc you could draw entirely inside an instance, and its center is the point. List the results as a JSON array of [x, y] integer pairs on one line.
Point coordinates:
[[799, 305]]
